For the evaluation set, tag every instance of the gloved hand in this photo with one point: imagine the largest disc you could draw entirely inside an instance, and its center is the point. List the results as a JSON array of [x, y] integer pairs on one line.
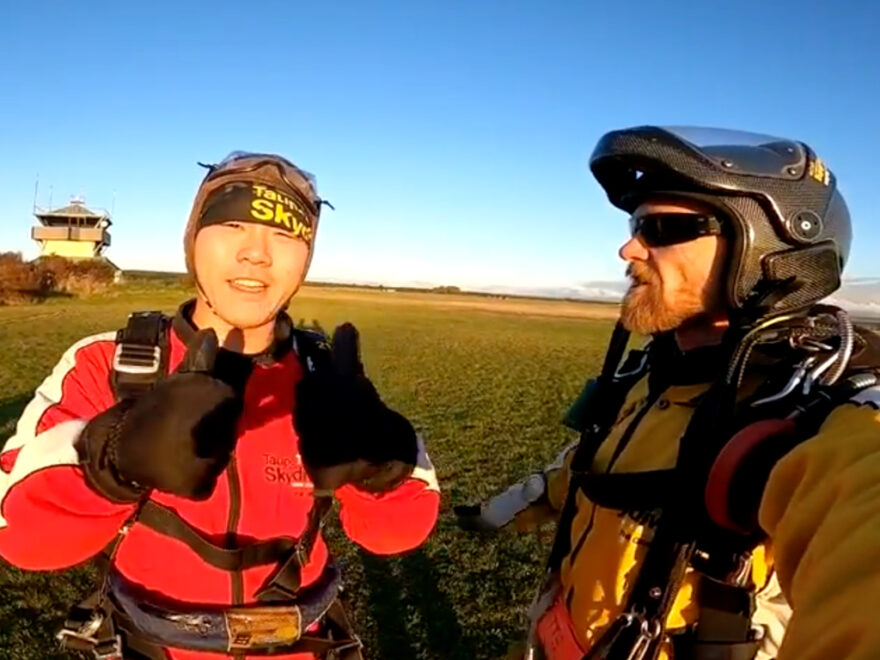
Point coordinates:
[[177, 437], [346, 434], [524, 503]]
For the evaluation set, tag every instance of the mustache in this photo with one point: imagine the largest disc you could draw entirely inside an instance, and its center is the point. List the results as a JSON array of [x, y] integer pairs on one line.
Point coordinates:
[[639, 273]]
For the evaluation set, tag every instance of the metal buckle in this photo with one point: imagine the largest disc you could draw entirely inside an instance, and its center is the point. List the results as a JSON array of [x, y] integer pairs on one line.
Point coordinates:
[[110, 649], [647, 634], [299, 551], [136, 358], [86, 630], [632, 372], [796, 379], [355, 643]]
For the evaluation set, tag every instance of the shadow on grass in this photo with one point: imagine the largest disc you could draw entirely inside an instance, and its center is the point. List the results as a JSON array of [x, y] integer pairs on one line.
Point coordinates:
[[446, 639], [414, 616], [33, 608], [10, 411], [387, 608], [35, 604]]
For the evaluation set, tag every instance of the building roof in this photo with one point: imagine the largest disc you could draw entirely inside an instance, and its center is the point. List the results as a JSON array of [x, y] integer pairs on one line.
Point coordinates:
[[76, 209]]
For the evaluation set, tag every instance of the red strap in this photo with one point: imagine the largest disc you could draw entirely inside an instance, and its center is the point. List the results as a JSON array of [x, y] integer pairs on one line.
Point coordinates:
[[557, 635], [730, 460]]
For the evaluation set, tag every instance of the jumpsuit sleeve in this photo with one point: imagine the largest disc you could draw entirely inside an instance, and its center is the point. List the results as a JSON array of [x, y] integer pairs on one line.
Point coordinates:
[[558, 475], [821, 508], [546, 508], [396, 521], [49, 516]]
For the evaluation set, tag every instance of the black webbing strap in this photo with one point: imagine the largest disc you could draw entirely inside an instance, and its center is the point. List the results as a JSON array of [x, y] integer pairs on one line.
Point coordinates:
[[630, 491], [283, 583], [610, 394], [168, 523], [725, 612], [311, 349], [141, 354], [338, 626], [335, 641], [323, 647], [637, 634], [290, 554], [89, 627], [687, 647]]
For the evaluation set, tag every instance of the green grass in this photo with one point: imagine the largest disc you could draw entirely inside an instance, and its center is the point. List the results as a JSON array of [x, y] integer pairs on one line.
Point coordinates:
[[486, 389]]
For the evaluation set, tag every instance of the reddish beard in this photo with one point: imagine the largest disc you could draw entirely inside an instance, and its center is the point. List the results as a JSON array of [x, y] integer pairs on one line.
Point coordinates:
[[646, 311]]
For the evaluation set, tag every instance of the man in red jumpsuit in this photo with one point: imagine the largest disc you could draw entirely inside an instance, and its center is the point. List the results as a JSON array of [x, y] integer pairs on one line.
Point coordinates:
[[207, 482]]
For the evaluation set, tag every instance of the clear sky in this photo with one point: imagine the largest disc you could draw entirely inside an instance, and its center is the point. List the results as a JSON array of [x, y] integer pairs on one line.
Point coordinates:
[[453, 137]]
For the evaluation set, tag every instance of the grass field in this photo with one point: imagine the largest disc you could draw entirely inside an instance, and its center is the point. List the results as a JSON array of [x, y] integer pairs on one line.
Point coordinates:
[[486, 381]]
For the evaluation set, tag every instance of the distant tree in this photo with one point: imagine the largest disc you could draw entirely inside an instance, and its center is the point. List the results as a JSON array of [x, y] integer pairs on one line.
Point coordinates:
[[21, 281], [31, 281], [77, 276]]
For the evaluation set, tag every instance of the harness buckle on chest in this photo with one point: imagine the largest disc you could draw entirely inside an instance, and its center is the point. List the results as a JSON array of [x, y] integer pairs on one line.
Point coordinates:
[[136, 359]]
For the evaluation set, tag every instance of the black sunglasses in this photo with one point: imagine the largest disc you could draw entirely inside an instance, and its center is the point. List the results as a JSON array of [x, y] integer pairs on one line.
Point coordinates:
[[663, 229]]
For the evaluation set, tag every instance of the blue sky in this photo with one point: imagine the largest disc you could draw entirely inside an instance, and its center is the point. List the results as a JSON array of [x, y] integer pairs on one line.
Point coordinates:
[[453, 137]]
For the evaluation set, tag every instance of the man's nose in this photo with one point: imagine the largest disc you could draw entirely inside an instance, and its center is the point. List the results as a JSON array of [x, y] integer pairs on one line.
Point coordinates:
[[633, 250], [255, 246]]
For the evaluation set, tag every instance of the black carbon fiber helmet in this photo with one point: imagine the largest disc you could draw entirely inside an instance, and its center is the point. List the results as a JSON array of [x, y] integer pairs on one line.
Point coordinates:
[[789, 226]]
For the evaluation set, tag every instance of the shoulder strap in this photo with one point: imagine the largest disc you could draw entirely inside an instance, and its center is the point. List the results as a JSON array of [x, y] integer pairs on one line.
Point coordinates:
[[607, 395], [312, 349], [167, 522], [141, 355]]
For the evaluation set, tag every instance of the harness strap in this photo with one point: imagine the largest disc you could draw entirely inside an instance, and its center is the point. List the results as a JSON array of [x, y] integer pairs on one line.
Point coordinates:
[[725, 612], [630, 491], [90, 628], [686, 647], [638, 633], [141, 355], [285, 581], [290, 554], [168, 523], [342, 633], [610, 393]]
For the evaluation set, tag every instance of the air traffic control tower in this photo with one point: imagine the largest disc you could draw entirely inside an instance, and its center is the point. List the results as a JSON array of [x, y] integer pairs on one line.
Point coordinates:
[[73, 231]]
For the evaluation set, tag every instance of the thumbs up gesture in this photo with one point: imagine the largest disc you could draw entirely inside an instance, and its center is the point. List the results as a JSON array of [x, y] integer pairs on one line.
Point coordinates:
[[178, 437], [346, 433]]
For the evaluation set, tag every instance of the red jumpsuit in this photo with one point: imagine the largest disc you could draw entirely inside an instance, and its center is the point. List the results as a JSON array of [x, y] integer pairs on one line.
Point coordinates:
[[51, 519]]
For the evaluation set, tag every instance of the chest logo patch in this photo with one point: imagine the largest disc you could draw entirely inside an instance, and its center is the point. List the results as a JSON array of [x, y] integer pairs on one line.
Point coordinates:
[[286, 470]]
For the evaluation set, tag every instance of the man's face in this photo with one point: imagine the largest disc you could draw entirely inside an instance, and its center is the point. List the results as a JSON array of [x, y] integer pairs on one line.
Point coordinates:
[[248, 271], [673, 284]]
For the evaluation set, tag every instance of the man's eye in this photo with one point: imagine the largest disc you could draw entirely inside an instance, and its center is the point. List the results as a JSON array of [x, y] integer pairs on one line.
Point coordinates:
[[284, 234], [233, 225]]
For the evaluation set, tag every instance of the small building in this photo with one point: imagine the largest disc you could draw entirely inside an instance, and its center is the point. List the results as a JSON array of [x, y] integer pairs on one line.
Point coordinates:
[[73, 231]]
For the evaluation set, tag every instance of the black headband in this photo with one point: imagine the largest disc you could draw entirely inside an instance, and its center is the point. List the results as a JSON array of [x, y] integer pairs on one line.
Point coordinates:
[[259, 203]]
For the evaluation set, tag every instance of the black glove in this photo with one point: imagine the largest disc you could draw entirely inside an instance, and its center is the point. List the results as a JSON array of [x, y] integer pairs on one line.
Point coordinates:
[[178, 437], [346, 434]]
